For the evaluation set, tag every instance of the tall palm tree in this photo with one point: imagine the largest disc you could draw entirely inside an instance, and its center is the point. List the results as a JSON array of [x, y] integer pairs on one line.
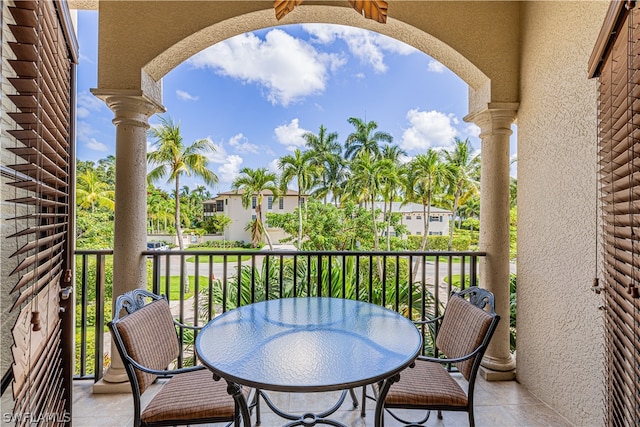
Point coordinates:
[[336, 173], [462, 168], [92, 191], [324, 148], [365, 138], [429, 175], [300, 166], [254, 183], [368, 178], [172, 159], [393, 184]]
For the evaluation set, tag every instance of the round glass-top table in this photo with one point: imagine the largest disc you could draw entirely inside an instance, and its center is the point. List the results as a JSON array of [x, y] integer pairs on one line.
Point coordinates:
[[308, 345]]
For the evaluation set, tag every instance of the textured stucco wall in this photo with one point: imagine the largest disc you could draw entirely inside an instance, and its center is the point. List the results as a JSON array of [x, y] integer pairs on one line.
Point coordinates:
[[560, 341]]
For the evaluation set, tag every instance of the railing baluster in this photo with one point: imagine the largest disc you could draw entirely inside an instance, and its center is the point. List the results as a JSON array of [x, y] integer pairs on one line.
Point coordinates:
[[83, 318], [266, 276], [99, 335]]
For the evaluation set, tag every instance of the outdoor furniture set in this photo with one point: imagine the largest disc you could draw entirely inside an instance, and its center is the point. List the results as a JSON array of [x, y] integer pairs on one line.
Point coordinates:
[[301, 345]]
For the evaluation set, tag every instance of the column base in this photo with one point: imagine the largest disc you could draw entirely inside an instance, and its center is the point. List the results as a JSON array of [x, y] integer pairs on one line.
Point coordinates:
[[491, 375], [105, 387]]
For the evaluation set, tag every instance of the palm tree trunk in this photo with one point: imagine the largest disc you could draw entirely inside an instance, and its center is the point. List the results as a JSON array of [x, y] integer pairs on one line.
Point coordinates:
[[389, 223], [453, 222], [179, 235], [262, 227], [299, 222], [376, 245]]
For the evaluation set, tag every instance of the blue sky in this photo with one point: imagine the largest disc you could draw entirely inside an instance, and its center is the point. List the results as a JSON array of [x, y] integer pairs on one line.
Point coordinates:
[[256, 94]]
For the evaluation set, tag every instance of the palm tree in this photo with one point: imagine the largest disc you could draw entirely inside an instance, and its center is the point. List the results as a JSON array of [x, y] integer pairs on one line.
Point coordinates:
[[171, 158], [462, 169], [324, 148], [365, 138], [428, 175], [393, 183], [92, 191], [299, 166], [368, 178], [254, 183], [336, 174]]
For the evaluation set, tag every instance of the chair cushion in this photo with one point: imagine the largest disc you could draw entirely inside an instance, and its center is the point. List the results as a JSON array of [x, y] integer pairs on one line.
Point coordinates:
[[189, 397], [150, 338], [463, 328], [426, 384]]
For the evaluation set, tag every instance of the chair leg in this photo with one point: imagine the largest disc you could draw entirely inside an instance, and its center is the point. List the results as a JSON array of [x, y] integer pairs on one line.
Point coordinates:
[[256, 400], [439, 414], [472, 421], [364, 401], [354, 398]]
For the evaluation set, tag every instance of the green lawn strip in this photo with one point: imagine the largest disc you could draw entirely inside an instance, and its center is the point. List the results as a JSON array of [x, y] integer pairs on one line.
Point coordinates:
[[174, 286], [218, 258]]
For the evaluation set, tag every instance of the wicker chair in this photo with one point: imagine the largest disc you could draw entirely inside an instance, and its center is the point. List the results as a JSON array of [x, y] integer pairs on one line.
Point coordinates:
[[147, 341], [464, 332]]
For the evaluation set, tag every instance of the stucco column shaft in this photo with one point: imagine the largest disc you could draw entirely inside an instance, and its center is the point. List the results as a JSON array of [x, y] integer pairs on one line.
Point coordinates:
[[495, 125], [131, 114]]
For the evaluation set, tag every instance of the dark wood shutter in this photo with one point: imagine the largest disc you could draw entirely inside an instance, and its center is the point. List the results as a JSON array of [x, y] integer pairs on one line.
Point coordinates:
[[619, 178], [42, 92]]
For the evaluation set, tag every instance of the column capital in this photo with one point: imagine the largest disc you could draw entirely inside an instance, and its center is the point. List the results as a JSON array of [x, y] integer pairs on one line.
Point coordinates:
[[496, 118], [130, 107]]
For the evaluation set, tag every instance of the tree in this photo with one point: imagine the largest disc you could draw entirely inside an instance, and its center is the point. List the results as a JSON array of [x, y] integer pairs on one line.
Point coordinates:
[[392, 184], [324, 148], [172, 159], [299, 166], [254, 183], [365, 139], [336, 174], [92, 191], [427, 176], [462, 169]]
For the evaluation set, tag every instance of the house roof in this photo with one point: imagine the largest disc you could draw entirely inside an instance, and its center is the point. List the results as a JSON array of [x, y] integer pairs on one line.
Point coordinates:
[[241, 191], [411, 207]]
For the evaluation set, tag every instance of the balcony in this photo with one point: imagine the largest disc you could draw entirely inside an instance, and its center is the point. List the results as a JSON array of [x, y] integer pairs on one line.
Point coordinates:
[[214, 286]]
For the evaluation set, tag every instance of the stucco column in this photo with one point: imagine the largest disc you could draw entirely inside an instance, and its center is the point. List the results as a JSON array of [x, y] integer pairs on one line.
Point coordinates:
[[495, 126], [131, 115]]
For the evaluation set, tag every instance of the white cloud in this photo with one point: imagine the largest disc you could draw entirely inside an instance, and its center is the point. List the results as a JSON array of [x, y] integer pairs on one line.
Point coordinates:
[[87, 103], [367, 46], [186, 96], [435, 67], [287, 68], [241, 144], [230, 170], [273, 166], [428, 129], [96, 145], [290, 135], [472, 130]]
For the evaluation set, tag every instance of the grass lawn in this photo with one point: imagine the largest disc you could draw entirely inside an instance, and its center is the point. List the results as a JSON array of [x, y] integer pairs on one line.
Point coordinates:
[[174, 286], [219, 258]]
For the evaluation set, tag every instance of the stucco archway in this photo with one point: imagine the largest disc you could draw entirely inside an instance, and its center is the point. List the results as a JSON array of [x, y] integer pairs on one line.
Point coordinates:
[[143, 41]]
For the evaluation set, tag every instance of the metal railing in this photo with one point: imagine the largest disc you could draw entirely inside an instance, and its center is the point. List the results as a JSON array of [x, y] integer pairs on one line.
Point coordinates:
[[202, 284]]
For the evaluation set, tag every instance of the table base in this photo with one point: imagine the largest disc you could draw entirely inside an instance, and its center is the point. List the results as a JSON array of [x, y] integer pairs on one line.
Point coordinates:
[[310, 419]]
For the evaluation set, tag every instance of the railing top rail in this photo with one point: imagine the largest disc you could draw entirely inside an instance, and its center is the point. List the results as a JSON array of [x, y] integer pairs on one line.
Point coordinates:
[[93, 252], [324, 253]]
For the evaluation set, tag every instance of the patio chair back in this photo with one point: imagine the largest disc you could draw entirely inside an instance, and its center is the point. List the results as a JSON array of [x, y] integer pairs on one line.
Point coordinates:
[[463, 329], [147, 335]]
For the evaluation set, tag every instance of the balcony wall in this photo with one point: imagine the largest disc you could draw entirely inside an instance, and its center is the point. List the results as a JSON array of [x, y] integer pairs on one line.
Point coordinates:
[[560, 338]]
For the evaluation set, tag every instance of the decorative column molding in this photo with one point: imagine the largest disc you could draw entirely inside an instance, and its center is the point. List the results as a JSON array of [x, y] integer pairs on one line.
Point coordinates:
[[131, 119], [495, 129]]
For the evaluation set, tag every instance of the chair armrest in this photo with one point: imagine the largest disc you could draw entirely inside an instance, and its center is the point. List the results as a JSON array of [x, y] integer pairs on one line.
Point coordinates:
[[452, 360], [163, 372], [185, 326], [428, 321]]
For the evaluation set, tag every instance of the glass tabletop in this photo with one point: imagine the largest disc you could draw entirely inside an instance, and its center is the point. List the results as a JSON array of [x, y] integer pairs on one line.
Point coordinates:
[[308, 344]]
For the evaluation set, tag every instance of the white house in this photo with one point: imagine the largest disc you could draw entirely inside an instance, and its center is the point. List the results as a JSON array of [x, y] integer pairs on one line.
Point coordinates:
[[230, 203], [412, 218]]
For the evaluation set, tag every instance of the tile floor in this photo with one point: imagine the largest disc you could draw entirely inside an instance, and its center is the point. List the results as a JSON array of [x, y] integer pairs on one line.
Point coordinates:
[[497, 404]]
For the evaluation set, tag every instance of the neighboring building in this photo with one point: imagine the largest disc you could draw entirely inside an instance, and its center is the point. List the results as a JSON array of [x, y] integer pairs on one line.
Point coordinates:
[[412, 218], [230, 204]]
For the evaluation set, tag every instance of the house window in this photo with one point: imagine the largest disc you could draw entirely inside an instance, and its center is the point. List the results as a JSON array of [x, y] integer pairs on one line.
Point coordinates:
[[219, 206], [408, 217], [270, 202], [418, 216], [435, 218], [301, 201], [281, 203], [226, 201], [254, 202], [253, 217], [419, 233]]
